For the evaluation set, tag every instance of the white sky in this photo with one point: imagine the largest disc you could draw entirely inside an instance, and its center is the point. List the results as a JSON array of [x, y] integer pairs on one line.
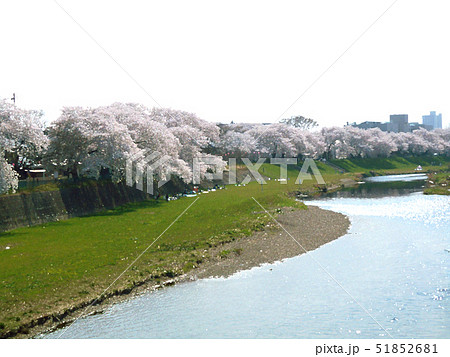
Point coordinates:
[[234, 60]]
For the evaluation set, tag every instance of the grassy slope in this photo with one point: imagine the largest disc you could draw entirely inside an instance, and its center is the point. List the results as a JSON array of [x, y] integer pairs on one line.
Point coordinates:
[[394, 164], [273, 171]]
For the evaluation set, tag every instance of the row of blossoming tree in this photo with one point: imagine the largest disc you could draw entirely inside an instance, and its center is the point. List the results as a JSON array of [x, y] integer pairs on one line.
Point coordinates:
[[334, 142], [89, 141]]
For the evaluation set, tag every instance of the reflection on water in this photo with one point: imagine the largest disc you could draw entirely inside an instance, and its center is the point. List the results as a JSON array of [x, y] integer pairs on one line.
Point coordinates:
[[394, 262], [384, 186]]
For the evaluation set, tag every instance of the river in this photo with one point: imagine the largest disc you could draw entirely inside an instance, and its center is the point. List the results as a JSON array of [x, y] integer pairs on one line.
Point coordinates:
[[388, 277]]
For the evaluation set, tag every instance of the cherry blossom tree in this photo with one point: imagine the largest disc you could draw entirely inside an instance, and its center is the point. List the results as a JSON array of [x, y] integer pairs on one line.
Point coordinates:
[[416, 144], [199, 132], [151, 136], [359, 141], [435, 142], [401, 141], [444, 134], [308, 144], [9, 178], [300, 122], [410, 143], [21, 139], [381, 144], [195, 135], [274, 140], [240, 144], [317, 143], [87, 141], [335, 142], [21, 132], [369, 143]]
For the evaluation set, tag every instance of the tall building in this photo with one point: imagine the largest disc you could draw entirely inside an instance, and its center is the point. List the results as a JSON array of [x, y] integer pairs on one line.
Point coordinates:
[[433, 120], [398, 123]]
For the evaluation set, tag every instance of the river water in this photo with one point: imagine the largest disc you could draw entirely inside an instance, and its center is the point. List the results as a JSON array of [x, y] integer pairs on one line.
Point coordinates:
[[389, 276]]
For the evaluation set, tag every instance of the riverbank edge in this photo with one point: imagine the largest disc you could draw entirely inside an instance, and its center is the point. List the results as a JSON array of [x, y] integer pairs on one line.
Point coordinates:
[[338, 224], [438, 183]]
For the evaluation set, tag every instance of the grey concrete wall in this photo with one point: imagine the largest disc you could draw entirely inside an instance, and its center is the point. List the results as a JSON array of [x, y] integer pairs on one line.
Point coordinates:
[[29, 209]]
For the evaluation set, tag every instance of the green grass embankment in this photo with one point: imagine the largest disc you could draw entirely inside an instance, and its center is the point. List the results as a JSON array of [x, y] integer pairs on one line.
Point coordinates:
[[392, 165]]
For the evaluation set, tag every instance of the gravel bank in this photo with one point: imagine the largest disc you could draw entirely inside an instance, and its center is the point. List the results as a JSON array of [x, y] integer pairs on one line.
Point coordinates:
[[311, 228]]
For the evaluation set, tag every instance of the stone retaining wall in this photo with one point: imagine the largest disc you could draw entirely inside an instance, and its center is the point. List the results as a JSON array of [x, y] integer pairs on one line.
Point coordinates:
[[29, 209]]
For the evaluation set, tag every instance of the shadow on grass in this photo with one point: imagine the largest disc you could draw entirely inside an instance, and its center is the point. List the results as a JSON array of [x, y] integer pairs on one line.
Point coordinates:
[[117, 211], [367, 164], [127, 208]]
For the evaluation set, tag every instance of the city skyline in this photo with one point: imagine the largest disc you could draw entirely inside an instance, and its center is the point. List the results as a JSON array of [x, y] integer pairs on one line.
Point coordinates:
[[401, 123]]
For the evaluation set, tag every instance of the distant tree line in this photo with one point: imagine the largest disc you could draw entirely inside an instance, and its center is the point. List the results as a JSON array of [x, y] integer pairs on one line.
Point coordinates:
[[90, 142]]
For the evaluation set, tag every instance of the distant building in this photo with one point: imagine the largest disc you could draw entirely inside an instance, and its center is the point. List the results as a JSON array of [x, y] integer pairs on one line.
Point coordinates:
[[368, 125], [398, 123], [385, 126], [433, 120]]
